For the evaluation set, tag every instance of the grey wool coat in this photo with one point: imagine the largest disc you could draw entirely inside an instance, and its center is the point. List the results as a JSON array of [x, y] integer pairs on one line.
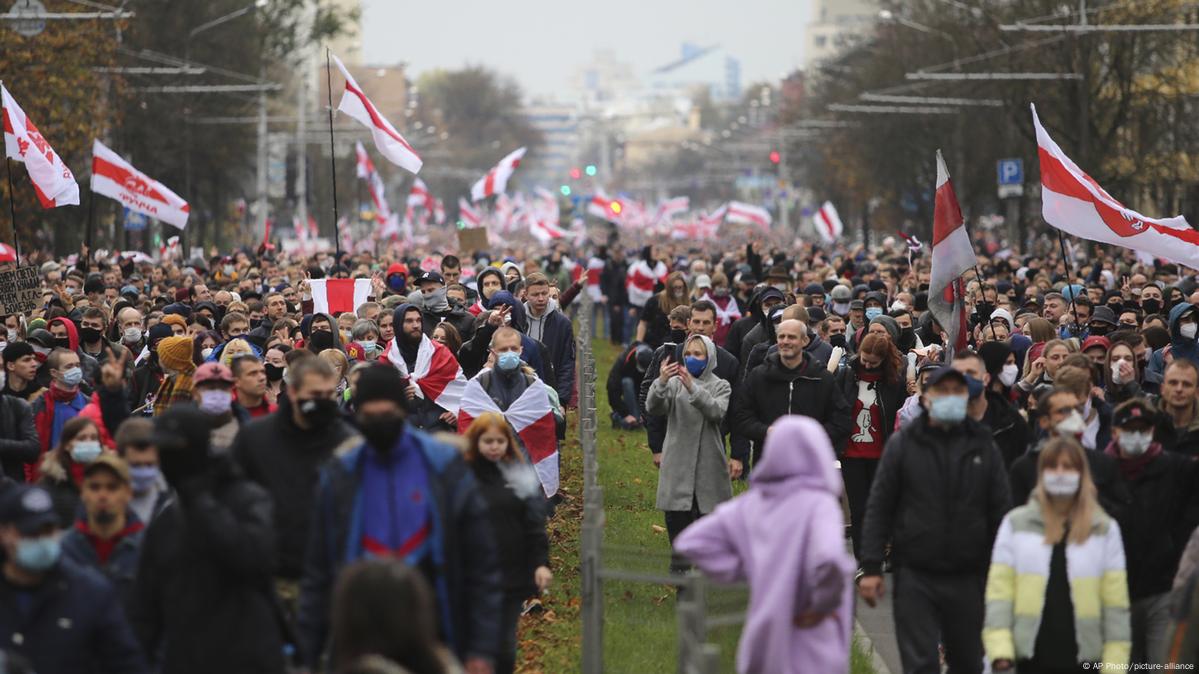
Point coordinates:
[[693, 461]]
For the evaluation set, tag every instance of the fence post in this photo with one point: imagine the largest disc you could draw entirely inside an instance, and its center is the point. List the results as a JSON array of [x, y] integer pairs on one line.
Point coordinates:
[[592, 539], [692, 632]]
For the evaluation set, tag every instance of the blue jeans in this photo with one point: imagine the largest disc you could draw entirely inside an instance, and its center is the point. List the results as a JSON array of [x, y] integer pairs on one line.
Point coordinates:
[[631, 319], [628, 391]]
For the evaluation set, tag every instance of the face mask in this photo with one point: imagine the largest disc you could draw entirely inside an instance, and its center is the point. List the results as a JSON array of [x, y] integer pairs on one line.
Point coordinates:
[[273, 372], [1099, 329], [318, 412], [89, 335], [841, 308], [132, 335], [677, 336], [368, 345], [216, 402], [695, 366], [508, 361], [396, 283], [1061, 484], [1007, 377], [1134, 443], [780, 286], [206, 352], [1188, 330], [85, 451], [228, 270], [72, 377], [1071, 425], [1116, 377], [12, 335], [63, 342], [38, 554], [873, 313], [381, 432], [436, 301], [1150, 306], [949, 409], [837, 340], [144, 478]]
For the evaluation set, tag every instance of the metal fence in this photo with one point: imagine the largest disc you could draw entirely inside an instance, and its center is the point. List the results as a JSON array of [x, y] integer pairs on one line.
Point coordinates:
[[697, 614]]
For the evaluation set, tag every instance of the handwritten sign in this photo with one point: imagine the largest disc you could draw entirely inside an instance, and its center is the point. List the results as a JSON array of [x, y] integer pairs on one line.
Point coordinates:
[[20, 290], [473, 239]]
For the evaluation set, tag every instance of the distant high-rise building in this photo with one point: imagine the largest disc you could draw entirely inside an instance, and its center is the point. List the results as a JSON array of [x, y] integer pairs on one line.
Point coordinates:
[[732, 78], [348, 45], [835, 25]]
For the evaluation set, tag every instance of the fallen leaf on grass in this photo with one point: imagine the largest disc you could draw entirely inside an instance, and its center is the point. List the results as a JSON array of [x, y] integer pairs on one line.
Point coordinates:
[[658, 529]]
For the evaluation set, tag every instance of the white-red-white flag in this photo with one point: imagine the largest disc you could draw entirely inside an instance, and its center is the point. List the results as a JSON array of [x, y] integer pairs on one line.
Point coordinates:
[[828, 223], [545, 231], [438, 212], [748, 214], [52, 181], [531, 416], [953, 255], [388, 141], [672, 207], [495, 181], [436, 373], [1073, 202], [338, 295], [468, 213], [420, 195], [374, 183], [595, 272], [117, 179], [641, 280]]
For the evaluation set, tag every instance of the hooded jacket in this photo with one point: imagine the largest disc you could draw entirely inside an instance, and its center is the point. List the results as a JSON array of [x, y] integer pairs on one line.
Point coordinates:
[[457, 316], [734, 342], [555, 331], [1179, 347], [423, 413], [785, 536], [306, 329], [771, 391], [693, 461], [478, 307], [90, 367], [473, 354]]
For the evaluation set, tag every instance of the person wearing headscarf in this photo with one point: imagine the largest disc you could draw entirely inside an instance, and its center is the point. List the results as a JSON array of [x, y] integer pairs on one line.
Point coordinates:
[[175, 358]]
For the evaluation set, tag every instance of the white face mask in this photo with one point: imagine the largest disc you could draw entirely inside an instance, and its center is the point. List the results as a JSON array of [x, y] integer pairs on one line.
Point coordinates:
[[1189, 330], [1071, 425], [132, 335], [1117, 378], [1008, 375], [1063, 483], [1135, 443]]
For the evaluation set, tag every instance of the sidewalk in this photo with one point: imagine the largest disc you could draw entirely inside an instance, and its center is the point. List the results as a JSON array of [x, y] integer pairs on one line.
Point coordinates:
[[879, 627]]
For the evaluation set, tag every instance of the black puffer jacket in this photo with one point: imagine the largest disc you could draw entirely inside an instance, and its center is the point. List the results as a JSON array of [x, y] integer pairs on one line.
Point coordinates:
[[938, 496], [891, 396], [1010, 430], [19, 443], [771, 391]]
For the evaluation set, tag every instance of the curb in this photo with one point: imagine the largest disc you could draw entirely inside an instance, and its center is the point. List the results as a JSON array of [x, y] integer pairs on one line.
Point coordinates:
[[876, 660]]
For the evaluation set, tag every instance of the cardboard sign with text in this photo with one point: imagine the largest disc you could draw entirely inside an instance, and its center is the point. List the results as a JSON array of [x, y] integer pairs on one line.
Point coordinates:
[[20, 290], [472, 240]]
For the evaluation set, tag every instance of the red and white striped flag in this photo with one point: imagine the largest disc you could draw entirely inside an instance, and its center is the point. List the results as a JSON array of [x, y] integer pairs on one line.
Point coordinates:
[[438, 212], [641, 280], [531, 416], [338, 295], [468, 213], [544, 231], [672, 207], [595, 272], [117, 179], [374, 183], [953, 255], [436, 373], [1073, 202], [716, 217], [828, 223], [748, 214], [495, 181], [388, 141], [420, 195], [52, 181]]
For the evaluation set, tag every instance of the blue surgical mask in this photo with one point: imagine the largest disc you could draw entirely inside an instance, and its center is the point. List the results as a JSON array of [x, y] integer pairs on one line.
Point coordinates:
[[368, 345], [72, 377], [144, 478], [949, 409], [85, 451], [38, 554], [508, 361], [695, 366], [873, 313]]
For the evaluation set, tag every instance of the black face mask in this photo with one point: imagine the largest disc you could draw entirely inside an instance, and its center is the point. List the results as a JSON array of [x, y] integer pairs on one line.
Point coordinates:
[[837, 340], [105, 517], [382, 432], [62, 342], [677, 336], [319, 340], [273, 372], [907, 340], [319, 411], [89, 335], [1098, 329], [255, 322], [1150, 306]]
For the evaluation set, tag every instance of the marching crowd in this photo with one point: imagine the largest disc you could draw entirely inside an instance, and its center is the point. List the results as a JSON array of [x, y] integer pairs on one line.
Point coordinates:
[[246, 463]]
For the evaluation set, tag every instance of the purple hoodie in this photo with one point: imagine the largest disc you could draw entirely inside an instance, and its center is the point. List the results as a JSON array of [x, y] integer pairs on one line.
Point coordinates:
[[786, 537]]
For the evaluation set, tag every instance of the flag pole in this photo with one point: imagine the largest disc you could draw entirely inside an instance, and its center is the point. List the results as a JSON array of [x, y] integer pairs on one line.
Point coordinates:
[[979, 276], [12, 209], [1061, 239], [332, 150]]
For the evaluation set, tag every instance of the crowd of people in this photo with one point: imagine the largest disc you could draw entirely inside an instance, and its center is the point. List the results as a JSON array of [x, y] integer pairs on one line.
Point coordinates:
[[203, 472]]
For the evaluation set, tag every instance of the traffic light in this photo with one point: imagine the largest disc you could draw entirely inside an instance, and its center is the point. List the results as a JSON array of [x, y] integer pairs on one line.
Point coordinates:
[[616, 207], [775, 157], [575, 173], [565, 190], [591, 169]]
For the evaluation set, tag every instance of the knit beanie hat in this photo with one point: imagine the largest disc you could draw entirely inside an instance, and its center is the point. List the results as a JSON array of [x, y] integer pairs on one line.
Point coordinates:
[[994, 355], [175, 353], [379, 382], [174, 319], [890, 325]]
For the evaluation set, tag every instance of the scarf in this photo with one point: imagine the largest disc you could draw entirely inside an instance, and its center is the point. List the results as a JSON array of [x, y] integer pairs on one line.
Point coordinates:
[[1132, 467], [173, 390]]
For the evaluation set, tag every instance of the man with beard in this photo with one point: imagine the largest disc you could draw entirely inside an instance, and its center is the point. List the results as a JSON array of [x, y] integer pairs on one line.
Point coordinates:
[[403, 354]]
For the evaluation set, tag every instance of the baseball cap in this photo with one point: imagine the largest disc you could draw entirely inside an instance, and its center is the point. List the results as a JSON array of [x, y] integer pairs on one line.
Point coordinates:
[[1134, 411], [856, 305], [110, 462], [946, 372], [703, 281], [813, 289], [1096, 340], [29, 508], [841, 294], [212, 372], [431, 276]]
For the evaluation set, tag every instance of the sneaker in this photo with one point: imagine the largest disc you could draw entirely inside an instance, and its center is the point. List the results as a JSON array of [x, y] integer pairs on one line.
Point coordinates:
[[531, 606]]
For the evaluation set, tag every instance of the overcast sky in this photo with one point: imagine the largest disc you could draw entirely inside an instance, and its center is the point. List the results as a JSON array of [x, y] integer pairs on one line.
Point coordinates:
[[542, 42]]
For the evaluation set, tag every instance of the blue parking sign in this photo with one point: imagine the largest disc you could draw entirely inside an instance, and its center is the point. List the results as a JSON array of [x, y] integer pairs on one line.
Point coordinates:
[[1011, 171]]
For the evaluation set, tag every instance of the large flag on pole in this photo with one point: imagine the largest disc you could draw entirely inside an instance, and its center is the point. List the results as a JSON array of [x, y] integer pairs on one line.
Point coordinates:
[[828, 223], [739, 211], [1074, 203], [374, 183], [953, 255], [52, 181], [117, 179], [388, 141], [496, 180]]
